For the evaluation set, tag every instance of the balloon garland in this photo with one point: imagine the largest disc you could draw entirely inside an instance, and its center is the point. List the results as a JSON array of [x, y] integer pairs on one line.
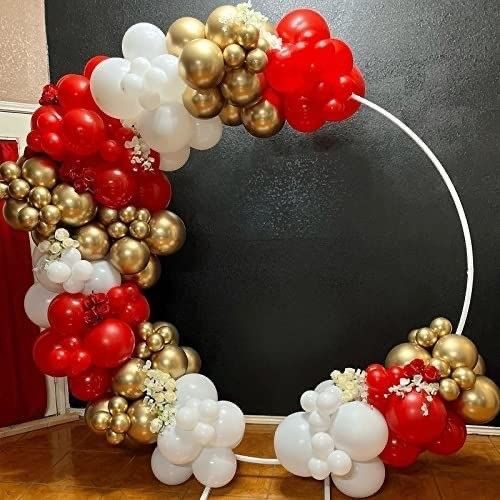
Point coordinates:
[[91, 191]]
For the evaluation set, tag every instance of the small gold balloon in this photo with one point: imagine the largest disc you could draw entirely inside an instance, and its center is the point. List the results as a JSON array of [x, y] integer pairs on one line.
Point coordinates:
[[138, 229], [194, 360], [480, 368], [441, 366], [448, 389], [142, 350], [39, 197], [141, 415], [234, 55], [50, 214], [221, 26], [402, 354], [145, 329], [256, 61], [203, 103], [262, 119], [76, 209], [168, 331], [201, 64], [28, 218], [93, 240], [143, 215], [248, 36], [155, 342], [117, 405], [100, 421], [11, 211], [107, 215], [128, 381], [456, 350], [19, 189], [426, 337], [117, 230], [167, 234], [412, 336], [231, 115], [181, 32], [442, 326], [149, 275], [171, 359], [40, 171], [480, 404], [263, 44], [127, 214], [100, 405], [241, 87], [4, 190], [113, 437], [120, 423], [464, 377], [45, 230], [129, 256], [9, 171]]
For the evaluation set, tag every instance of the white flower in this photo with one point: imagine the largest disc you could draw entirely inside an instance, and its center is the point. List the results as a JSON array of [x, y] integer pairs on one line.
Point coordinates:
[[55, 248], [425, 410], [67, 242], [61, 234], [44, 246]]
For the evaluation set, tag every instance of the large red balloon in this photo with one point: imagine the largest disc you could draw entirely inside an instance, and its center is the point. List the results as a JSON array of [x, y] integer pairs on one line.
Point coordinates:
[[113, 187], [91, 384], [153, 191], [303, 25], [110, 343], [303, 113], [46, 109], [66, 314], [73, 92], [83, 131], [50, 356], [452, 438], [399, 453]]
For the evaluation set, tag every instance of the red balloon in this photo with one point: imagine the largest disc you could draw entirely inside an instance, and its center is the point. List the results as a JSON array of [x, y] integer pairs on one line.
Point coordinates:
[[80, 361], [91, 384], [407, 419], [53, 145], [120, 296], [351, 106], [110, 150], [376, 377], [153, 191], [395, 374], [83, 131], [134, 313], [378, 399], [322, 55], [42, 110], [50, 356], [49, 121], [91, 65], [34, 140], [303, 25], [303, 113], [452, 438], [110, 343], [127, 303], [123, 134], [341, 63], [113, 187], [399, 453], [66, 314], [282, 71], [73, 92]]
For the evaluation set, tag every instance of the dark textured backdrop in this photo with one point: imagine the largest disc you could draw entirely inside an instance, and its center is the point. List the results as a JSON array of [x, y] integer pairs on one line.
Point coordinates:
[[311, 252]]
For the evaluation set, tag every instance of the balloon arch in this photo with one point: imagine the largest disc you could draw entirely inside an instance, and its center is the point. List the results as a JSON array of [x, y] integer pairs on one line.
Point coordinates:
[[91, 190]]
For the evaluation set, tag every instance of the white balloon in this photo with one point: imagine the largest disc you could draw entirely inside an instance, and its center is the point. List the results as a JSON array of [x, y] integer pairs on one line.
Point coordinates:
[[319, 468], [143, 40], [322, 444], [178, 446], [329, 400], [105, 85], [292, 444], [132, 85], [82, 270], [318, 421], [360, 430], [364, 479], [215, 467], [203, 433], [58, 271], [207, 133], [174, 86], [186, 418], [139, 66], [339, 463], [166, 129], [154, 79], [36, 304], [70, 256], [149, 100], [229, 426], [209, 410], [173, 161], [193, 403], [194, 385], [324, 385], [41, 274], [73, 286], [308, 400], [169, 473], [104, 277]]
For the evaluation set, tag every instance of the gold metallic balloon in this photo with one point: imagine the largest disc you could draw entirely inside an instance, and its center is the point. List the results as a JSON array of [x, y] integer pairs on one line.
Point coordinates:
[[40, 171], [426, 337], [19, 189], [117, 405], [127, 214], [93, 240], [201, 64], [412, 336], [441, 366], [149, 275], [128, 381], [456, 350], [142, 350], [138, 229], [117, 230], [221, 26], [248, 36], [480, 368], [231, 115], [143, 215], [256, 61], [107, 215], [171, 359], [442, 326], [263, 44], [76, 209], [402, 354], [464, 377], [4, 190], [145, 329], [129, 256], [167, 235], [45, 230], [155, 342], [241, 87], [113, 437], [100, 421], [141, 415], [120, 423], [28, 218], [480, 404], [234, 55], [11, 211], [449, 389], [181, 32], [194, 360], [100, 405], [9, 171], [168, 331], [203, 103], [39, 197], [262, 119]]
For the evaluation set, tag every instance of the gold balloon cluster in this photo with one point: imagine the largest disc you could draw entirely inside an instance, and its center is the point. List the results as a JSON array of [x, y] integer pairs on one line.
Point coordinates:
[[462, 381], [35, 202], [220, 61]]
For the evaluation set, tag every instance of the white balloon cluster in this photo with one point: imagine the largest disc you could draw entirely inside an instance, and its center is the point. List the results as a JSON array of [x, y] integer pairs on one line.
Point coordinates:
[[203, 437], [334, 438], [145, 89]]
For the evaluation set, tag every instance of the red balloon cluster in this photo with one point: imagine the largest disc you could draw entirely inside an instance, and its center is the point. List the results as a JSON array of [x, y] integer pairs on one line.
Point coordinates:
[[417, 421], [88, 336], [313, 73]]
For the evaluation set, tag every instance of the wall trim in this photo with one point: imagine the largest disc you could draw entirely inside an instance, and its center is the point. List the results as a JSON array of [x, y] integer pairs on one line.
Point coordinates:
[[17, 107], [40, 423]]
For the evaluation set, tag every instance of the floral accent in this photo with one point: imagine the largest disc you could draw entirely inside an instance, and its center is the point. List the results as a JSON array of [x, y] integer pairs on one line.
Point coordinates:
[[141, 153], [417, 383], [275, 42], [96, 308], [54, 248], [352, 383], [49, 95], [425, 410]]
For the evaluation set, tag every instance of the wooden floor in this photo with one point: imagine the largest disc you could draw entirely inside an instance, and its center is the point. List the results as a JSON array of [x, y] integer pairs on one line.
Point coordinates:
[[69, 462]]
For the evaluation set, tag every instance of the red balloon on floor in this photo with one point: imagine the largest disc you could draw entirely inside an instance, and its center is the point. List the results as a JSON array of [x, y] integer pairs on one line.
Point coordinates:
[[399, 453], [452, 438]]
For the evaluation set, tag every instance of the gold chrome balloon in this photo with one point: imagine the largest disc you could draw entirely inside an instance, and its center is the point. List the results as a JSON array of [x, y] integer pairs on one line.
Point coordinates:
[[117, 230], [107, 215], [28, 218], [241, 87], [203, 103], [167, 234], [141, 415], [155, 342], [113, 437], [145, 329], [40, 171], [256, 61], [442, 326], [464, 377], [117, 405], [9, 171], [221, 26], [45, 230], [181, 32], [143, 215], [142, 350], [412, 336], [263, 44], [4, 190], [100, 405], [127, 214], [248, 36], [171, 359], [262, 119], [426, 337], [194, 360], [480, 368], [480, 404], [231, 115], [93, 240], [201, 64], [168, 331], [441, 366], [99, 421], [39, 197], [76, 209], [19, 189], [11, 211], [138, 229], [149, 275], [456, 350], [402, 354], [128, 381], [129, 256], [119, 423], [449, 389], [234, 55]]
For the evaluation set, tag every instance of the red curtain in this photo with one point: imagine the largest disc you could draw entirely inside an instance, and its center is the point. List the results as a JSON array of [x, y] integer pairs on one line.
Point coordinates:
[[23, 395]]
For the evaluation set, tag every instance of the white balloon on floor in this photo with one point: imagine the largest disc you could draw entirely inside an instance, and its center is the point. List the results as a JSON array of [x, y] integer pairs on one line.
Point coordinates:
[[167, 472], [215, 467], [363, 480]]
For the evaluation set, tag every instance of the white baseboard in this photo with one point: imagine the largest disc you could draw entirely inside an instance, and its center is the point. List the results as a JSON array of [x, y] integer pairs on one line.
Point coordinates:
[[41, 423]]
